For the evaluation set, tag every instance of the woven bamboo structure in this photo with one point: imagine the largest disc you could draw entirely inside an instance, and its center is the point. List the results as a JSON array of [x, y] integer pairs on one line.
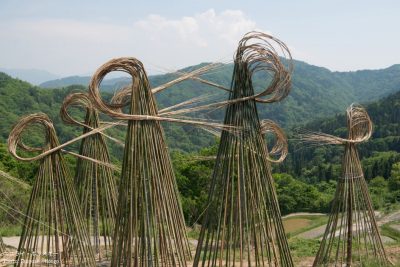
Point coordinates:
[[242, 225], [95, 183], [352, 235], [150, 228], [54, 231]]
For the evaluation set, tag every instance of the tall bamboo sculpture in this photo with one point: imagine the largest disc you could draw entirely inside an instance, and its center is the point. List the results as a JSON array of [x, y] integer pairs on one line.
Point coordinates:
[[150, 229], [95, 183], [352, 236], [54, 231], [242, 224]]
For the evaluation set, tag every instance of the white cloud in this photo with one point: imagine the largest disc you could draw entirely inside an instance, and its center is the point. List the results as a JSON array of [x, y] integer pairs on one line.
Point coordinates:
[[74, 47], [201, 30]]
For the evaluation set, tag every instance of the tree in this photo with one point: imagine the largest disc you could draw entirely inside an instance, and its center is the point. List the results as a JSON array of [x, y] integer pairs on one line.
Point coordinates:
[[378, 188], [394, 180]]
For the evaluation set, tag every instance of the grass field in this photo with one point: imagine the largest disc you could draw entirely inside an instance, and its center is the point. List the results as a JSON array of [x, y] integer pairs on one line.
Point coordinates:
[[298, 224]]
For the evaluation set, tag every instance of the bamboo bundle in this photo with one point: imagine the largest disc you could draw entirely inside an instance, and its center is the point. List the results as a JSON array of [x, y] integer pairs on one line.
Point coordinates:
[[53, 231], [351, 237], [242, 224], [95, 183], [150, 228]]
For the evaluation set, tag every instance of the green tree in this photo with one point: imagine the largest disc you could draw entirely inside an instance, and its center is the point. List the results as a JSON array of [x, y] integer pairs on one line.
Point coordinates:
[[394, 182], [379, 190]]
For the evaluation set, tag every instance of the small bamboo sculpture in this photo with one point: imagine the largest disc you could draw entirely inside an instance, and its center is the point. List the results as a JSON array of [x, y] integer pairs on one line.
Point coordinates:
[[352, 236], [243, 224], [150, 228], [54, 232], [95, 182]]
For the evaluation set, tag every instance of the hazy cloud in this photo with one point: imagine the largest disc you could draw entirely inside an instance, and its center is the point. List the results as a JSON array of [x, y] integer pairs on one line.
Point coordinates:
[[76, 46]]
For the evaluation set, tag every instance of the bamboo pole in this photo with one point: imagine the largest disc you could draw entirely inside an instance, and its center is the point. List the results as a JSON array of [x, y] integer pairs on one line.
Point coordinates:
[[95, 183]]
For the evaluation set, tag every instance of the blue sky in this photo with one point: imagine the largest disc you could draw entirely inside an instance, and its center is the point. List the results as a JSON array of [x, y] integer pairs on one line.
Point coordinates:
[[75, 37]]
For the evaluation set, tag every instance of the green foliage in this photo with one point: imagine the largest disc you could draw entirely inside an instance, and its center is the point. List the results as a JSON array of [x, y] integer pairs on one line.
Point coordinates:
[[303, 247], [193, 179], [394, 180], [23, 170], [388, 230], [11, 230], [18, 98], [378, 188], [14, 198], [386, 192], [306, 180], [297, 196], [329, 92]]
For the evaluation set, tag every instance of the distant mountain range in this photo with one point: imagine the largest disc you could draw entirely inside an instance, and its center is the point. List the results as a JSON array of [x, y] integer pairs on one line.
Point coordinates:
[[107, 84], [33, 76], [317, 92]]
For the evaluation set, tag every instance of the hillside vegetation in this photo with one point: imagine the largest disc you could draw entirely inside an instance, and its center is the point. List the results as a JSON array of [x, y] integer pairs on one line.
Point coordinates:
[[316, 93], [305, 181]]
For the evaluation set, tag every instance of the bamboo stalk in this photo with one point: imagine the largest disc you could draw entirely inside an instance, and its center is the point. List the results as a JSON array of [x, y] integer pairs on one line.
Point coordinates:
[[95, 183]]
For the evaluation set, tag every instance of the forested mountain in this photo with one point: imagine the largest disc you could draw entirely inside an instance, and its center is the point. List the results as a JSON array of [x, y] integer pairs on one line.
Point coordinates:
[[316, 93], [306, 180], [18, 98], [379, 153], [108, 84]]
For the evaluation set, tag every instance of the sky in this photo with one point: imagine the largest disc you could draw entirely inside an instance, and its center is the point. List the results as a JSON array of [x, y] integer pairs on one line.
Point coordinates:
[[75, 37]]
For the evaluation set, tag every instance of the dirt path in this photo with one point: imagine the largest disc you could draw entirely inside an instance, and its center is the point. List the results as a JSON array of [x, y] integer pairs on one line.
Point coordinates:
[[319, 231], [392, 217], [313, 233], [303, 214], [395, 227], [11, 241]]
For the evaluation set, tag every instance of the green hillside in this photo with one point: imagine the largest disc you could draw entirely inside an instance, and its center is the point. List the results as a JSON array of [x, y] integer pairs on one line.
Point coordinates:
[[316, 93], [379, 153], [306, 180], [18, 98]]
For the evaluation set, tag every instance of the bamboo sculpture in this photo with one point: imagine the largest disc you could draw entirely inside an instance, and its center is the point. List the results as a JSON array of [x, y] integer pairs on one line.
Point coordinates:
[[352, 235], [54, 232], [242, 225], [150, 229], [95, 182]]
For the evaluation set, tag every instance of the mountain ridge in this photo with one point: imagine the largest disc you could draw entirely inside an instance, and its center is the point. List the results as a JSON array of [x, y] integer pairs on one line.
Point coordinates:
[[316, 91], [33, 76]]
